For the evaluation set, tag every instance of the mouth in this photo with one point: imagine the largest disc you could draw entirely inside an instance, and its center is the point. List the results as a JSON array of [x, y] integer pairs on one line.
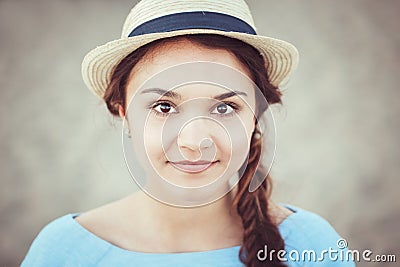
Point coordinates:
[[193, 166]]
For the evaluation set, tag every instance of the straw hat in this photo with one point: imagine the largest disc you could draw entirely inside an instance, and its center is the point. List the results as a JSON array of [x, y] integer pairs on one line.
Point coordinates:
[[151, 20]]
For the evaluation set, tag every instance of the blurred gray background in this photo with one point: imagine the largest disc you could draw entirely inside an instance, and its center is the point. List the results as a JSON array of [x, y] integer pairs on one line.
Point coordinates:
[[338, 130]]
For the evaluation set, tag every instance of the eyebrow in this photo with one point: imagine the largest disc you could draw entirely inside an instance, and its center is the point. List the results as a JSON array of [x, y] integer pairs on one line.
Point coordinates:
[[172, 94], [229, 94], [162, 92]]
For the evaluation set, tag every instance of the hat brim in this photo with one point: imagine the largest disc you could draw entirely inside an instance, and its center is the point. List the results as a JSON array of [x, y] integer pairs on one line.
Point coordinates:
[[281, 58]]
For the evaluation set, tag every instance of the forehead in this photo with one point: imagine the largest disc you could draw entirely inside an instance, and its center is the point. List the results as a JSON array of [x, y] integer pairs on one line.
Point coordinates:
[[170, 64]]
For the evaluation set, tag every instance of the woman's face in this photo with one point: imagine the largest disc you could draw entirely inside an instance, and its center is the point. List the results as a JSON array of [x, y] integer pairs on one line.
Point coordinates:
[[191, 115]]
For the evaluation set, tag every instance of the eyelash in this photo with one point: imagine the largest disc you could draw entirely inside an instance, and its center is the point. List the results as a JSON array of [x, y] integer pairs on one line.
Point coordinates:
[[233, 105]]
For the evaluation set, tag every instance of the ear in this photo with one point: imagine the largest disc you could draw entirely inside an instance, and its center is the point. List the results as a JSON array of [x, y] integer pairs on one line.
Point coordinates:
[[121, 111]]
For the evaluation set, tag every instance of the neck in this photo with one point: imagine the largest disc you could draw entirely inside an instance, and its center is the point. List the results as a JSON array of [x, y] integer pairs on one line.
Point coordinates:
[[214, 213], [211, 226]]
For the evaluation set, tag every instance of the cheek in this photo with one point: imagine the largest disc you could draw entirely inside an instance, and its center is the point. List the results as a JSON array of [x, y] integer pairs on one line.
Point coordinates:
[[159, 139], [154, 141], [146, 140], [239, 132]]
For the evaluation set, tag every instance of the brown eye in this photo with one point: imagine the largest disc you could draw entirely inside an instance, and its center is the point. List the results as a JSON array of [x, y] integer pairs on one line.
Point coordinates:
[[164, 108], [223, 109]]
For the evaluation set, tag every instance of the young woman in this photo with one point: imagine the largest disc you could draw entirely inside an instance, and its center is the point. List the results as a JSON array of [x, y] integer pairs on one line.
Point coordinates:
[[192, 81]]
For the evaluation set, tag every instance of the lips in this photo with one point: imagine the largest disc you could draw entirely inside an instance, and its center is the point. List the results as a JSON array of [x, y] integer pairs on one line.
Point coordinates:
[[193, 166]]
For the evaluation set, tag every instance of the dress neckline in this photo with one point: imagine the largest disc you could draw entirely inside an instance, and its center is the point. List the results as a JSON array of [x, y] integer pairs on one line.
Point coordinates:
[[296, 211]]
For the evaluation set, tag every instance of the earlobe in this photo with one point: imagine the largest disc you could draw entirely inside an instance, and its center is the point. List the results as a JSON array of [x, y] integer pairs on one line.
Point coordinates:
[[256, 131], [121, 111]]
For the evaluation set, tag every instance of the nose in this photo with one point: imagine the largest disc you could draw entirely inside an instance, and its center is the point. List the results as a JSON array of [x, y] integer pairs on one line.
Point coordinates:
[[194, 137]]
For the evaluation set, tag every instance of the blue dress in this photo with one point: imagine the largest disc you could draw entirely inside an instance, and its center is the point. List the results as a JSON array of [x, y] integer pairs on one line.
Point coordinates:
[[309, 241]]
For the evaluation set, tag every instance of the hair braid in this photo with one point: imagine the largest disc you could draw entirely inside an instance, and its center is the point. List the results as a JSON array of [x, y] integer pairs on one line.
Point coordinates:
[[259, 230]]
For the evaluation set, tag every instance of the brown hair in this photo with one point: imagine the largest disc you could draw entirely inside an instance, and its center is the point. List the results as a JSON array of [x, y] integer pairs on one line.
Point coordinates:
[[259, 229]]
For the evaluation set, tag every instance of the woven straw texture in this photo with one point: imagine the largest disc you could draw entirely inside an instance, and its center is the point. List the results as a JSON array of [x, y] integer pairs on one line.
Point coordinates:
[[281, 57]]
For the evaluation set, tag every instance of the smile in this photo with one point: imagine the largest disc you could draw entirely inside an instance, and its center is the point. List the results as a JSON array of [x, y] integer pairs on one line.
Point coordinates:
[[193, 166]]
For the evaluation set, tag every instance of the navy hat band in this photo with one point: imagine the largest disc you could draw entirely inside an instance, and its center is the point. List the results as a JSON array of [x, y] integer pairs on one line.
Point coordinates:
[[193, 20]]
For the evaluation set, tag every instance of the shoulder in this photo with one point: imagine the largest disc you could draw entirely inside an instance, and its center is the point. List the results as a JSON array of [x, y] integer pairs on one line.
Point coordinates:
[[303, 224], [64, 242], [306, 232]]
